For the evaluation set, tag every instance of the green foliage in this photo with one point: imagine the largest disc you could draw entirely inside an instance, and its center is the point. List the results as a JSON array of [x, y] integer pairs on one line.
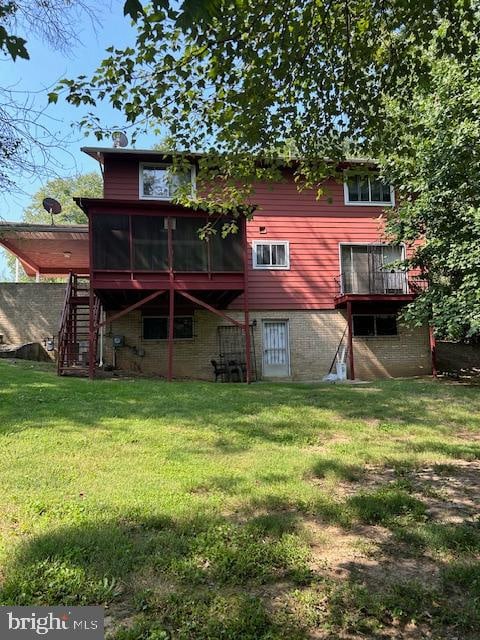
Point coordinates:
[[242, 77], [88, 185], [432, 156]]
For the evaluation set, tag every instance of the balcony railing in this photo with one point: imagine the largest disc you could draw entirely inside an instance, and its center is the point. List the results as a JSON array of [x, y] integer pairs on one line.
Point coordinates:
[[379, 283]]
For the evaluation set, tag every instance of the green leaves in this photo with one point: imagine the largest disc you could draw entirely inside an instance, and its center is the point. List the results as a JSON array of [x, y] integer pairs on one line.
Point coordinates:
[[133, 8], [435, 157]]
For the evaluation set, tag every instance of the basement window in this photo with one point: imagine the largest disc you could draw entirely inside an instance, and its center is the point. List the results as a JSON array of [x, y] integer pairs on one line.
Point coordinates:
[[271, 255], [156, 328], [375, 325]]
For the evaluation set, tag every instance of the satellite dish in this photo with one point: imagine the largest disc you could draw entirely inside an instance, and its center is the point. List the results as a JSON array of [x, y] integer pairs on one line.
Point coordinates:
[[119, 139], [52, 206]]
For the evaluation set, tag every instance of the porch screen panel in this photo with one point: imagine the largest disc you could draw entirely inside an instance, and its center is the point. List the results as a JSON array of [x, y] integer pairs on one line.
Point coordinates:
[[189, 251], [226, 254], [150, 243], [111, 242]]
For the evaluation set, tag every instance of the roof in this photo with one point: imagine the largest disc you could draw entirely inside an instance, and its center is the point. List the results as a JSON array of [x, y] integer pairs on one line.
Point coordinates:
[[53, 250], [99, 153]]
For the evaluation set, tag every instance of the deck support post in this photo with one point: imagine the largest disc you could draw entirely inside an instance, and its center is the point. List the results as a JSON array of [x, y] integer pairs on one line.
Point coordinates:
[[91, 334], [246, 312], [171, 326], [433, 350], [351, 367]]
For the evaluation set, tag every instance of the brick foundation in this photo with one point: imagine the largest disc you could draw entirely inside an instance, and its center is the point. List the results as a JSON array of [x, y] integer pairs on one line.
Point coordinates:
[[314, 338]]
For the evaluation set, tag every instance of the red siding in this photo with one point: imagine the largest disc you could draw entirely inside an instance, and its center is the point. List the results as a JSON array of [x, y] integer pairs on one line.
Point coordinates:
[[121, 178], [313, 227]]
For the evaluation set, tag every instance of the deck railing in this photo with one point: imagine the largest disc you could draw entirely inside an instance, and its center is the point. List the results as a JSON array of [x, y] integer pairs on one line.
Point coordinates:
[[380, 282]]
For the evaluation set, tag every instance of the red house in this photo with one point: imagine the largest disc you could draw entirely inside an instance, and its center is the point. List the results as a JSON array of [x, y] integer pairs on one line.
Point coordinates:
[[306, 279]]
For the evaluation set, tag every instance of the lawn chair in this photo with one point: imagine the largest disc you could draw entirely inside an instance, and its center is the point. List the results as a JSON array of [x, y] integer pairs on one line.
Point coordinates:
[[220, 371]]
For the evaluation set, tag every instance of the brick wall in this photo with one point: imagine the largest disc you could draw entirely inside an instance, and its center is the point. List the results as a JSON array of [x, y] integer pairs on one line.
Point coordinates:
[[407, 354], [314, 338], [30, 311]]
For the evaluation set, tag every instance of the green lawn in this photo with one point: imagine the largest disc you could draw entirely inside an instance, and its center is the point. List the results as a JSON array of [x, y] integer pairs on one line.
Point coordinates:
[[195, 511]]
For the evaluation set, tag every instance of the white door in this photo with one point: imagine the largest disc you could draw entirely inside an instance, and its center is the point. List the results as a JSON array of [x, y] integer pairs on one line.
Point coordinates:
[[276, 350]]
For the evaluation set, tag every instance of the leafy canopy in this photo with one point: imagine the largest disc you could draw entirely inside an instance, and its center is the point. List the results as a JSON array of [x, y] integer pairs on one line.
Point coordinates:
[[435, 163], [242, 76]]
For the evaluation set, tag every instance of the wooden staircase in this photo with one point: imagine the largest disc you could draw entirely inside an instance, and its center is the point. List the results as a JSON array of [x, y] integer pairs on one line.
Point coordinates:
[[74, 332]]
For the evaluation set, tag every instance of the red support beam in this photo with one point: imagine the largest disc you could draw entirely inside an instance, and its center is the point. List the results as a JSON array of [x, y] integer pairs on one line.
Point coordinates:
[[132, 307], [91, 317], [246, 313], [433, 350], [171, 326], [351, 368], [210, 308]]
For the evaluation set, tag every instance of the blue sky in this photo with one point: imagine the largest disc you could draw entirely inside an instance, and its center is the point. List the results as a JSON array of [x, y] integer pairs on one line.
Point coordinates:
[[41, 72]]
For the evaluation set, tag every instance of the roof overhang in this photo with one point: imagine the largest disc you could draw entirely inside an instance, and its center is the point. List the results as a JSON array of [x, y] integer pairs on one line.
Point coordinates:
[[99, 154], [48, 250]]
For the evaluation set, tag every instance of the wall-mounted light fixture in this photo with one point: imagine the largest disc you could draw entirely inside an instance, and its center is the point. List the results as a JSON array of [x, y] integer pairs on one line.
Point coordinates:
[[67, 254]]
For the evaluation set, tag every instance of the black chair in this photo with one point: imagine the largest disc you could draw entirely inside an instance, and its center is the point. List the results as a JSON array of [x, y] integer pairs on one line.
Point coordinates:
[[219, 371], [235, 369]]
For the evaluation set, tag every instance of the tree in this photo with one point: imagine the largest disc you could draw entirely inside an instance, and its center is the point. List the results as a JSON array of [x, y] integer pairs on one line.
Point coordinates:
[[435, 162], [64, 190], [242, 76], [239, 78], [27, 147]]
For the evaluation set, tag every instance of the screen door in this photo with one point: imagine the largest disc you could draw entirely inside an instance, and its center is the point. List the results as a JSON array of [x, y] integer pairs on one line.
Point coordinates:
[[276, 351]]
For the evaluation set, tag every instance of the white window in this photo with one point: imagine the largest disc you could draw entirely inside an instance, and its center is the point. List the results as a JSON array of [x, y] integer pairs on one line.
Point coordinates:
[[365, 190], [159, 182], [271, 255]]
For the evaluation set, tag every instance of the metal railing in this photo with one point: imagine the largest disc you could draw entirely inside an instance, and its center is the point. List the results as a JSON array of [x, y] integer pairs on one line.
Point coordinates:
[[382, 282]]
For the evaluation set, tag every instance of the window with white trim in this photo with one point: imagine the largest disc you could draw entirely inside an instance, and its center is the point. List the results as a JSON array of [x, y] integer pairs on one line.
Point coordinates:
[[367, 190], [271, 255], [156, 327], [159, 182], [374, 325]]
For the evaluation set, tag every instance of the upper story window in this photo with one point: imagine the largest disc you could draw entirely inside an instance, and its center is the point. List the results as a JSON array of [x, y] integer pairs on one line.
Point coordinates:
[[159, 182], [367, 190], [271, 255]]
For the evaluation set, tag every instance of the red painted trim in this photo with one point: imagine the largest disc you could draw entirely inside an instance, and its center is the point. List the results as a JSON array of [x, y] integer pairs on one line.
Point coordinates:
[[132, 307], [91, 319], [171, 318], [211, 309], [433, 350], [201, 284], [351, 372], [246, 314], [357, 297]]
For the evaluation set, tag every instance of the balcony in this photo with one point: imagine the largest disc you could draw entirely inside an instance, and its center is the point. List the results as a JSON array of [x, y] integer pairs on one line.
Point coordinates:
[[391, 285], [149, 251]]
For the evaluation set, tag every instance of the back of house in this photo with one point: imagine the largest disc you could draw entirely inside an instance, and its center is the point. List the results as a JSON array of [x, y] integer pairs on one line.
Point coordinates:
[[307, 282]]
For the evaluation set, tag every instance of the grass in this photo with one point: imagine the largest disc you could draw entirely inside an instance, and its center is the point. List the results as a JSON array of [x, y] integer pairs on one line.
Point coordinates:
[[205, 512]]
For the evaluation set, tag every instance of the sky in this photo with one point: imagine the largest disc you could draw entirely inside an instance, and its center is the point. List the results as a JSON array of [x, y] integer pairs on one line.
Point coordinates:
[[40, 74]]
